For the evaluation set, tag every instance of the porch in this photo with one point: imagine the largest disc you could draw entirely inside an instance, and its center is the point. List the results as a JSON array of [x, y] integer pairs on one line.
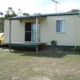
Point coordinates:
[[29, 46], [31, 34]]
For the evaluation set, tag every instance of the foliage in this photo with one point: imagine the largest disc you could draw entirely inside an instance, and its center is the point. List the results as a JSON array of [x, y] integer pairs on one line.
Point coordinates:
[[1, 13], [1, 25], [10, 8], [74, 10], [19, 12], [54, 43], [10, 13], [78, 49], [25, 13]]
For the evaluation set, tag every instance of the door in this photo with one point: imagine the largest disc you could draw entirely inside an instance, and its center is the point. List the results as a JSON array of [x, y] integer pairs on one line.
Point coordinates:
[[30, 32], [34, 32], [27, 31]]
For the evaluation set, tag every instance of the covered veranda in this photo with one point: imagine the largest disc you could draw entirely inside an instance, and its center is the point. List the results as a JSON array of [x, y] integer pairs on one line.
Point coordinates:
[[29, 19]]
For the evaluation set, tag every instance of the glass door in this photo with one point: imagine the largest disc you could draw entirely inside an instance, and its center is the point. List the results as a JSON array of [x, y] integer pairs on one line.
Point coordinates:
[[34, 32], [28, 32]]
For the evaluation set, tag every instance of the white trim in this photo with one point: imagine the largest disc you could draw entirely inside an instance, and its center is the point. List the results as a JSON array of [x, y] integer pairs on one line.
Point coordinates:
[[36, 30], [61, 26], [75, 31], [10, 31]]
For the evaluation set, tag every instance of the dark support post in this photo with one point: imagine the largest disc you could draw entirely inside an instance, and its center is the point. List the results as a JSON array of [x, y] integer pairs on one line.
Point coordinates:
[[10, 35]]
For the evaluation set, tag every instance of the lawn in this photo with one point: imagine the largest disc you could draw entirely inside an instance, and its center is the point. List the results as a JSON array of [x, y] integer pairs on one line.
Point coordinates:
[[39, 66]]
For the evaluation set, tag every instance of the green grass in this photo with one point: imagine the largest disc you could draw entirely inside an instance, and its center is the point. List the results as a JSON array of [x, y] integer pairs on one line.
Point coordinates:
[[39, 66]]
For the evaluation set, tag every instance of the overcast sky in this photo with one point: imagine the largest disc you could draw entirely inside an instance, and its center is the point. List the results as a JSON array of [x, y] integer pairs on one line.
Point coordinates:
[[39, 6]]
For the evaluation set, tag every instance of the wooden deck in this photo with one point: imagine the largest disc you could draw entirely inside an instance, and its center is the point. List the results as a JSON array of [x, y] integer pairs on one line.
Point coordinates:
[[27, 45]]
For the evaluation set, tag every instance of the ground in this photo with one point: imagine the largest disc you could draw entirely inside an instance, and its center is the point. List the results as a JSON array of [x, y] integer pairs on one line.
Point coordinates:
[[39, 66]]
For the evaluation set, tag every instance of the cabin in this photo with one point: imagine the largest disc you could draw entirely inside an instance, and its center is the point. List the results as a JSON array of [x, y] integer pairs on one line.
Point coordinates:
[[34, 30]]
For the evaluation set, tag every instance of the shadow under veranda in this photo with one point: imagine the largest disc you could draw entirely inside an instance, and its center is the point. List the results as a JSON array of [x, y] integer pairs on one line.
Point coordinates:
[[40, 54]]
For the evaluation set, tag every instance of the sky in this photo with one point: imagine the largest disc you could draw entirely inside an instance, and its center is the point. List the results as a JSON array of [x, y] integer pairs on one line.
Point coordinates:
[[39, 6]]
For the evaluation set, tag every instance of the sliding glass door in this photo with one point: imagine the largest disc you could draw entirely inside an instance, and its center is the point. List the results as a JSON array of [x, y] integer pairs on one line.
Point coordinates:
[[30, 32], [34, 32]]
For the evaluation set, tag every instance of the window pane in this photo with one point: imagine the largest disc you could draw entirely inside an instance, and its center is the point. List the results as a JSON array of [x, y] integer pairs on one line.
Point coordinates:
[[63, 26], [28, 36], [58, 26], [38, 33], [28, 27], [33, 32]]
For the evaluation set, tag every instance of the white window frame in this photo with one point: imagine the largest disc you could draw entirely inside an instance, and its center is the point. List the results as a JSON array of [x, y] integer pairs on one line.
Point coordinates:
[[61, 26]]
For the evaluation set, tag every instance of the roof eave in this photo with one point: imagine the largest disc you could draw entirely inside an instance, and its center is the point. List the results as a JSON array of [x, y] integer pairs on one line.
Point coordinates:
[[43, 15]]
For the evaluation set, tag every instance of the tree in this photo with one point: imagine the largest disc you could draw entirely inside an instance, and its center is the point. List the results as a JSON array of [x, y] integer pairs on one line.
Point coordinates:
[[1, 13], [1, 23], [10, 13], [25, 13], [19, 12], [74, 10]]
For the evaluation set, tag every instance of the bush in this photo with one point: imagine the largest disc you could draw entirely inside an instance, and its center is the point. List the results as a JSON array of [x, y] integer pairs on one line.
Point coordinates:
[[78, 49], [54, 43]]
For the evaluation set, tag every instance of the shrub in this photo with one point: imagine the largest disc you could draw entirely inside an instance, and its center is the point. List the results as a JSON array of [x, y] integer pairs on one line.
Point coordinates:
[[53, 43], [78, 49]]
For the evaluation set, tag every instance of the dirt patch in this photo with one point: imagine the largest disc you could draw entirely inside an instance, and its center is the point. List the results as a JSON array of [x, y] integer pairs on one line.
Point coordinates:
[[16, 78], [39, 78], [4, 50]]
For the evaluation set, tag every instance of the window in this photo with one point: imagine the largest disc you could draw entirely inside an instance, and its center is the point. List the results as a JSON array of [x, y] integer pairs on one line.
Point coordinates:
[[60, 26]]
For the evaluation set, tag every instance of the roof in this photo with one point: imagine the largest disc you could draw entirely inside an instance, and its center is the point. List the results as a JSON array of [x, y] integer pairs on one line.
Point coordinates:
[[43, 15]]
